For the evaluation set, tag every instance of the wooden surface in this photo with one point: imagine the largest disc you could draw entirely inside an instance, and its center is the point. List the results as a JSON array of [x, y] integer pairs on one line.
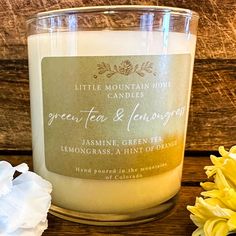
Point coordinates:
[[177, 223]]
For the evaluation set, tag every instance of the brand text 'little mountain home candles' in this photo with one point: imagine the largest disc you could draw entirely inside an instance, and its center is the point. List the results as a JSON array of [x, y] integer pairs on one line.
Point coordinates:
[[110, 90]]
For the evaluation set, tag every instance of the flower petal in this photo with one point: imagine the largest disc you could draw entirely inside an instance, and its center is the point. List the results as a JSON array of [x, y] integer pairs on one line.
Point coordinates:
[[198, 232], [38, 230], [6, 177], [232, 223], [215, 215], [216, 227], [22, 168], [23, 209]]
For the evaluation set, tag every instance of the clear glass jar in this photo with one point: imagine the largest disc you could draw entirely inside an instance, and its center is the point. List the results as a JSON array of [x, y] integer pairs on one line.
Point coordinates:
[[110, 89]]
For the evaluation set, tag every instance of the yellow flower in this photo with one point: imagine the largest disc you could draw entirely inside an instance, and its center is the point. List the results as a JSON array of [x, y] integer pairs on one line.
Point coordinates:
[[212, 218], [226, 163], [221, 190], [215, 214]]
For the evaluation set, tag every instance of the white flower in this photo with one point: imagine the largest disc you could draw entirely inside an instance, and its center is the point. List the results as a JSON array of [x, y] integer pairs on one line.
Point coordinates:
[[24, 201], [38, 230]]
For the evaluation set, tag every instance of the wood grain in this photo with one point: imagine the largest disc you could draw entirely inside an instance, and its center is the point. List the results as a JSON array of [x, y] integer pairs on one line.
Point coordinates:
[[15, 132], [212, 117], [212, 120], [217, 26], [216, 35], [18, 159]]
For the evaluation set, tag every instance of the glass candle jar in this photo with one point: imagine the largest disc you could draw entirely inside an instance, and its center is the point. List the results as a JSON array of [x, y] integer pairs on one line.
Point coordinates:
[[110, 90]]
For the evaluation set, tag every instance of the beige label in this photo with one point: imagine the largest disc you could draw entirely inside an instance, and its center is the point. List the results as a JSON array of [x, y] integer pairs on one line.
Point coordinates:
[[115, 117]]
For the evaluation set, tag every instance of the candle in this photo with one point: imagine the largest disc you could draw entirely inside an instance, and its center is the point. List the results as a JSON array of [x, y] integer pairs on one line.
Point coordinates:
[[109, 115]]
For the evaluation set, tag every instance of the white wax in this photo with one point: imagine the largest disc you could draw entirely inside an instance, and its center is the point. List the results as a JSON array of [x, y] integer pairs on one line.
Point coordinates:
[[100, 196]]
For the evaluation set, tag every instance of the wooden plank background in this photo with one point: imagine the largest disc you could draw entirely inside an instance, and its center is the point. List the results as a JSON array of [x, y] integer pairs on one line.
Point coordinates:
[[216, 35], [212, 120]]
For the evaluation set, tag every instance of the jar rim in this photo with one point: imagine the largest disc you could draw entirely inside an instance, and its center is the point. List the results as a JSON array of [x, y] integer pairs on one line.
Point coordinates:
[[114, 8]]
